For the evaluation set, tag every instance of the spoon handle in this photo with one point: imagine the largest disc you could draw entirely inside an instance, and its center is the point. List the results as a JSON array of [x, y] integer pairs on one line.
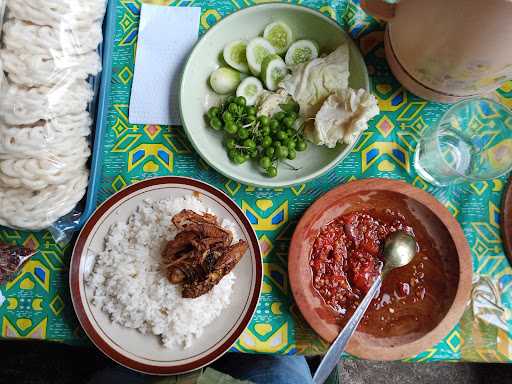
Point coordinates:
[[333, 355]]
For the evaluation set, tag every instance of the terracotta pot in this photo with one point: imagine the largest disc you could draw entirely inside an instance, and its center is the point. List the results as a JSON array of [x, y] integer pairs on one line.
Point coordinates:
[[435, 228], [506, 220]]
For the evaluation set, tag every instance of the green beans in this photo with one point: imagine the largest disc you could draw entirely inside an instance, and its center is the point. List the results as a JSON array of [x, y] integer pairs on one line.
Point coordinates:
[[239, 159], [251, 118], [282, 152], [288, 122], [227, 116], [265, 162], [240, 101], [230, 127], [233, 109], [267, 140], [213, 112], [230, 143], [264, 120], [270, 151], [215, 123], [232, 153], [292, 115], [271, 171], [281, 135], [279, 116], [251, 111], [301, 145], [249, 143], [243, 133]]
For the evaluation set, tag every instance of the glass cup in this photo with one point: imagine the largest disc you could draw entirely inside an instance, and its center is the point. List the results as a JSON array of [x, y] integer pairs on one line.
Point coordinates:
[[472, 141]]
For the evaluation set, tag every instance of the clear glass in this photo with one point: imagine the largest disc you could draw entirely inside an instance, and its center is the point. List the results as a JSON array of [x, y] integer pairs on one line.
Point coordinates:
[[472, 141]]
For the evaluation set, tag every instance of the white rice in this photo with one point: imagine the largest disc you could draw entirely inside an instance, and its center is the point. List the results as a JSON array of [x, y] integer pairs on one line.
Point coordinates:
[[129, 285]]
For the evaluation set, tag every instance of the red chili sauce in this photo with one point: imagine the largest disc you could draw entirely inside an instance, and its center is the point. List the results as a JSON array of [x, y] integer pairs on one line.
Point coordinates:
[[347, 257]]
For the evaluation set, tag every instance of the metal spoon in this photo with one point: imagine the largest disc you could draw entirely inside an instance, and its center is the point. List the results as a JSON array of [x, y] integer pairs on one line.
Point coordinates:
[[399, 249]]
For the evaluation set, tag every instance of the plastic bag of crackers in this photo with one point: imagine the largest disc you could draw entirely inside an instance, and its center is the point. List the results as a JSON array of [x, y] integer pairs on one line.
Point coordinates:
[[49, 57]]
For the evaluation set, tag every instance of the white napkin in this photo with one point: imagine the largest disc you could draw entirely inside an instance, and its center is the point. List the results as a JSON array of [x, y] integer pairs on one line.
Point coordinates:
[[166, 37]]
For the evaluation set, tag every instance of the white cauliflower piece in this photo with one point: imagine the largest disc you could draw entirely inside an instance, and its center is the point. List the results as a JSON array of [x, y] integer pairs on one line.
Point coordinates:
[[268, 102], [310, 83], [342, 117]]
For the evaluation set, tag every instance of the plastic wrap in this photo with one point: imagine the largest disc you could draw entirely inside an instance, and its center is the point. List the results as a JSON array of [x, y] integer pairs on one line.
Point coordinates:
[[486, 322], [48, 60]]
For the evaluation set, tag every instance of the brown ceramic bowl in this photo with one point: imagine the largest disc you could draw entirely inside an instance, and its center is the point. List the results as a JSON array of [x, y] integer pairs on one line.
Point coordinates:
[[506, 220], [436, 231]]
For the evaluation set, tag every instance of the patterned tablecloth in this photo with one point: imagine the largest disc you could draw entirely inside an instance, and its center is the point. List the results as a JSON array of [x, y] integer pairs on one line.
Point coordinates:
[[37, 304]]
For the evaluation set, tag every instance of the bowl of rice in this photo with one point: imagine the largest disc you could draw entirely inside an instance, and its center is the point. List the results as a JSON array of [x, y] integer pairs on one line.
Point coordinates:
[[123, 298]]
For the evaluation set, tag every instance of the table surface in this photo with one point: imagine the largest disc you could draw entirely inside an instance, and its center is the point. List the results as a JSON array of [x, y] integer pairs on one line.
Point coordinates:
[[37, 304]]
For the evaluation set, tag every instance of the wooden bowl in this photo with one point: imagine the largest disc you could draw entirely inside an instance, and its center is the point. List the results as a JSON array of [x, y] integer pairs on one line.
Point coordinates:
[[436, 231]]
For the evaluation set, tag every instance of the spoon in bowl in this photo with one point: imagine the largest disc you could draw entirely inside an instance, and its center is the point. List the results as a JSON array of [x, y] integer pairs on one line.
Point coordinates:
[[399, 249]]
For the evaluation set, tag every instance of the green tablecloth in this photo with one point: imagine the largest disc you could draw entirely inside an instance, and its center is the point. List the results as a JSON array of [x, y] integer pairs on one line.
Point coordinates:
[[37, 303]]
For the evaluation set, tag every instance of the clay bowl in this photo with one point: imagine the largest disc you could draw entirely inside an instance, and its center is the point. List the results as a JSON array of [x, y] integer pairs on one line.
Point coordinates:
[[447, 276], [506, 220]]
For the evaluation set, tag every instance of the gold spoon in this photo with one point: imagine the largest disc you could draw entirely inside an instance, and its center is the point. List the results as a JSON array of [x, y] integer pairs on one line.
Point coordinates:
[[399, 249]]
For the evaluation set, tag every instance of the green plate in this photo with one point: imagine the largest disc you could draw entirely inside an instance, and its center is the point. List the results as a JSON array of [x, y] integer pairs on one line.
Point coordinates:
[[196, 96]]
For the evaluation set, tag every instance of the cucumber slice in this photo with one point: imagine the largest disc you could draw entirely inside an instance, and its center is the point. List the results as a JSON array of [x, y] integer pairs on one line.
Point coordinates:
[[234, 54], [224, 80], [257, 50], [250, 88], [280, 36], [301, 51], [273, 70]]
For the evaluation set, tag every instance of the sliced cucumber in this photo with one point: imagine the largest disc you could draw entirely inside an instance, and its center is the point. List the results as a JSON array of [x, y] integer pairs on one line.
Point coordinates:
[[273, 70], [301, 51], [234, 54], [250, 88], [280, 36], [224, 80], [257, 50]]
